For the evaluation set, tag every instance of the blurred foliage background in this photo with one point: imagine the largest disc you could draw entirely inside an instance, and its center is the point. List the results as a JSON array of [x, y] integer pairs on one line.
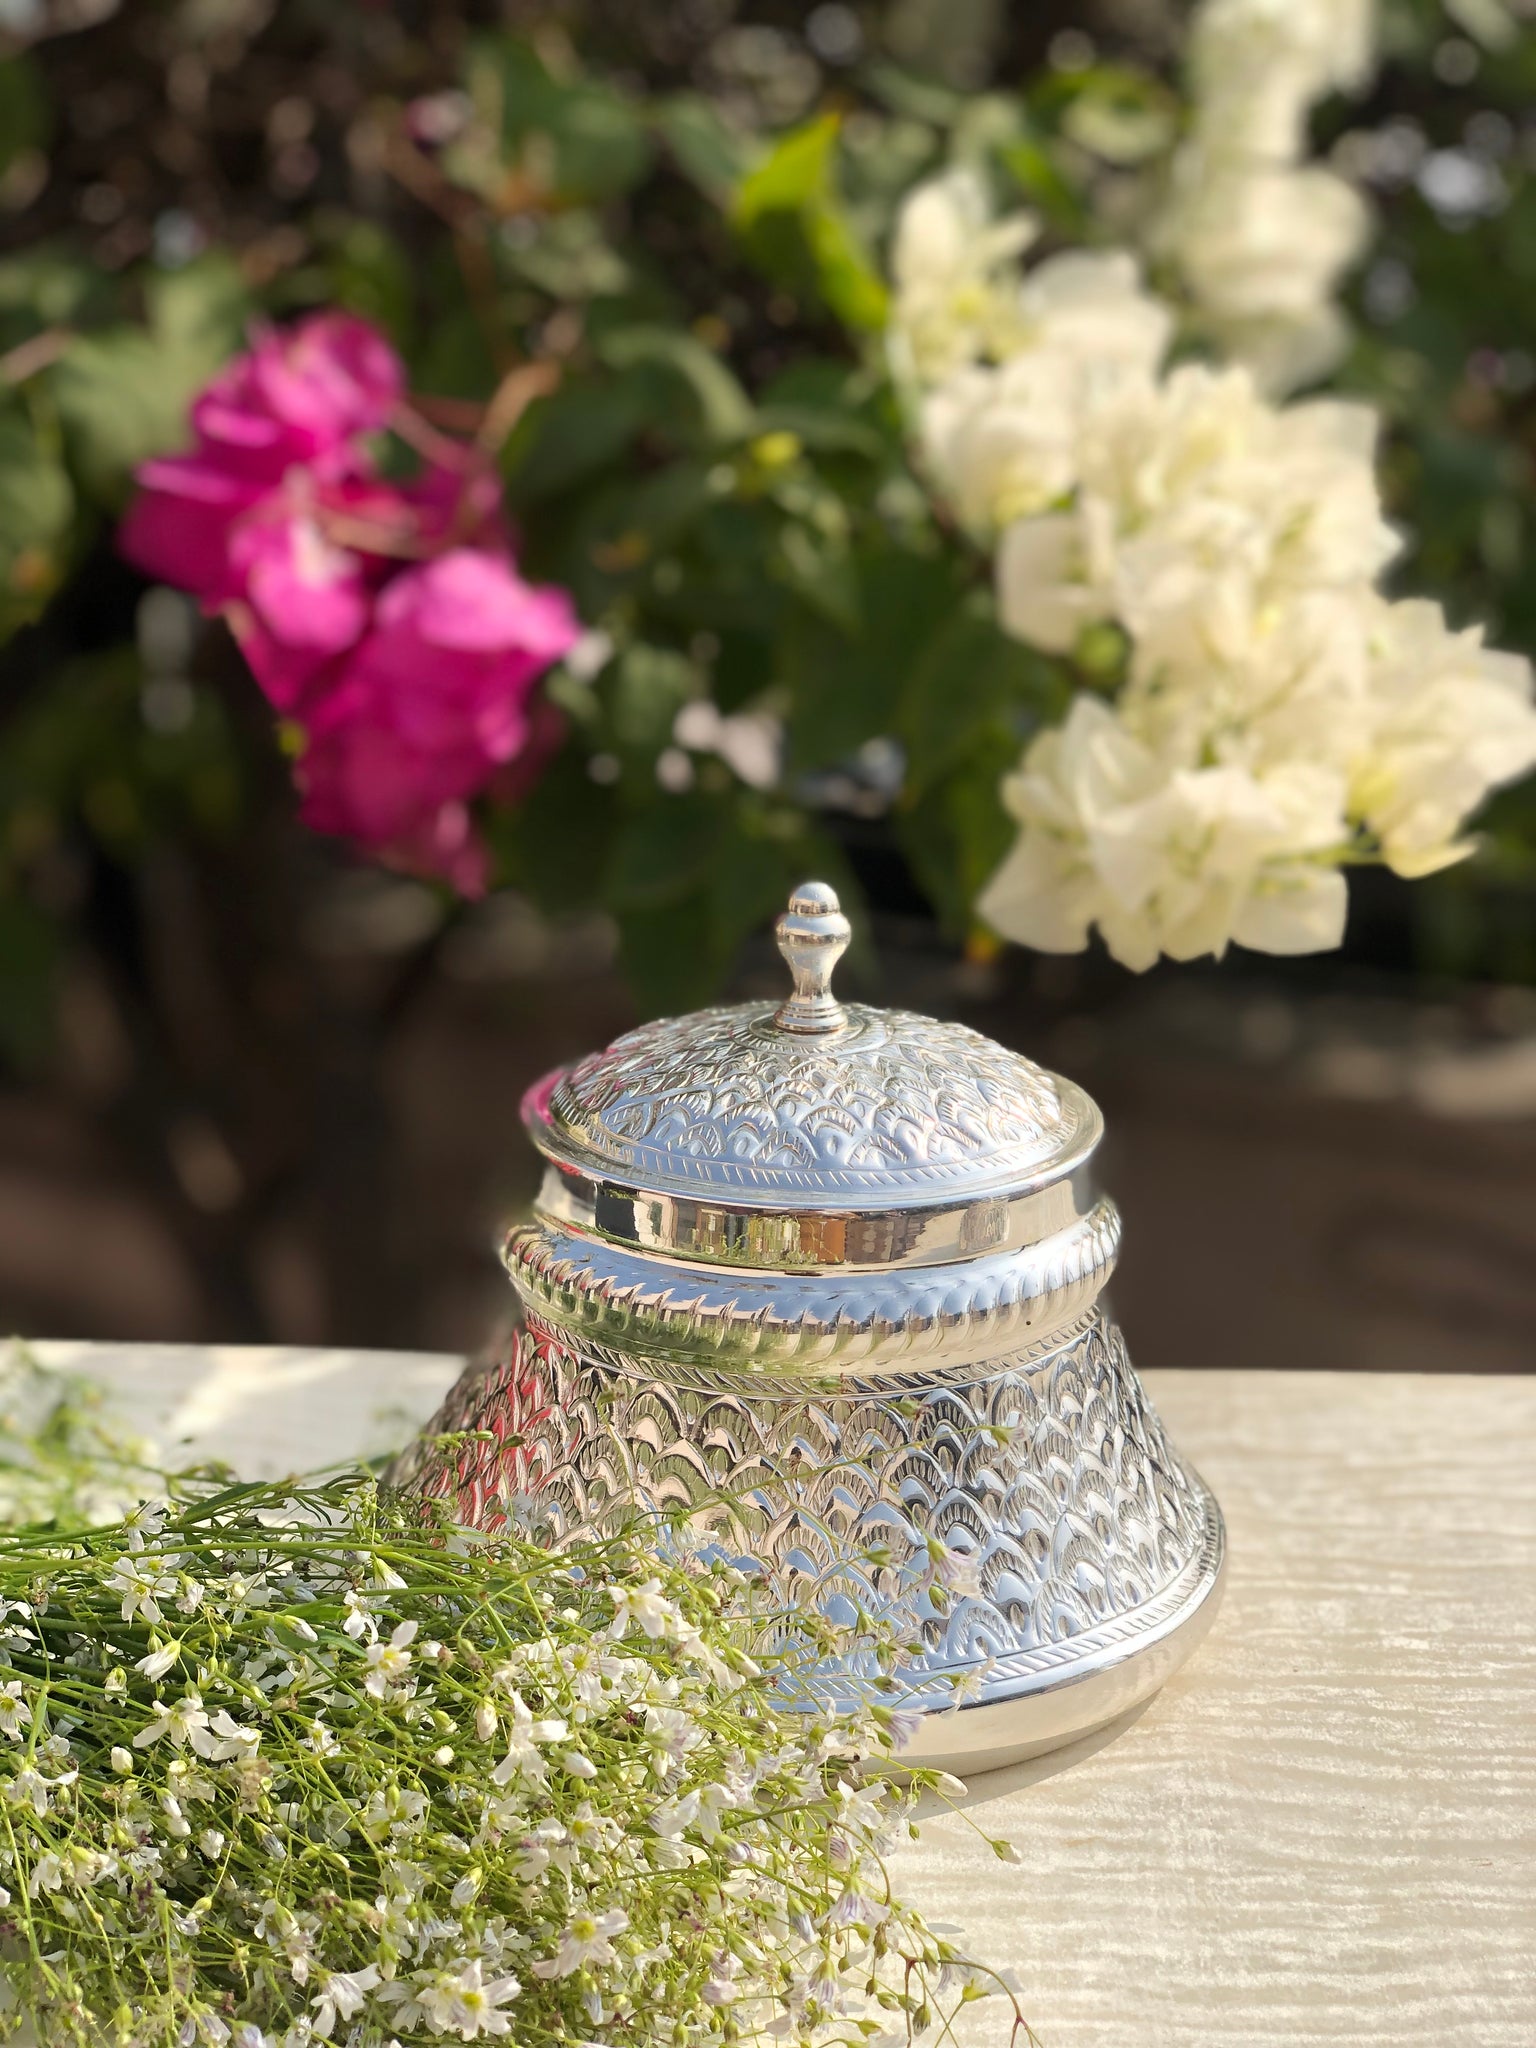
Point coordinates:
[[684, 205]]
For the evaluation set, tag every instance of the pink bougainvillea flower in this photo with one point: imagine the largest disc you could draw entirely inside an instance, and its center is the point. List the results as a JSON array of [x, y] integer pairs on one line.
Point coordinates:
[[458, 645], [362, 782], [434, 700], [178, 526], [386, 621], [304, 601], [332, 376], [292, 410], [303, 394]]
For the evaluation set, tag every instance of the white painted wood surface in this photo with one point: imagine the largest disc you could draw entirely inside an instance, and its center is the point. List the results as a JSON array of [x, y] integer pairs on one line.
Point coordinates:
[[1321, 1835]]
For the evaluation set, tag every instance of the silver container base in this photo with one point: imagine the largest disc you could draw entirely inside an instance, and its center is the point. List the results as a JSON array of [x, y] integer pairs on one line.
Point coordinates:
[[1047, 1709]]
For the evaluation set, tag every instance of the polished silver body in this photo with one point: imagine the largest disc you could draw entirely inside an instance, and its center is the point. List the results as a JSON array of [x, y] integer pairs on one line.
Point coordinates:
[[826, 1279]]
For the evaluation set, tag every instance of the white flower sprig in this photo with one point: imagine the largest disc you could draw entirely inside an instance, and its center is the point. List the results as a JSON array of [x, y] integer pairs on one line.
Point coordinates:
[[400, 1786]]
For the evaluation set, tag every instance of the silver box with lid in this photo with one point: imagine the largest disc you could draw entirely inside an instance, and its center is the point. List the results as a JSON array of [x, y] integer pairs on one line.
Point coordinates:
[[828, 1279]]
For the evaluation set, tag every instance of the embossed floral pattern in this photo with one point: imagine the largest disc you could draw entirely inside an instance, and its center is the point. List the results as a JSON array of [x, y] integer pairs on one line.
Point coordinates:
[[1048, 1490], [897, 1100]]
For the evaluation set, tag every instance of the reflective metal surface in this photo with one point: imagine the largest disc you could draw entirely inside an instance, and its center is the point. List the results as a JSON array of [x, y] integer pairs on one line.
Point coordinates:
[[800, 1240], [826, 1279], [911, 1318]]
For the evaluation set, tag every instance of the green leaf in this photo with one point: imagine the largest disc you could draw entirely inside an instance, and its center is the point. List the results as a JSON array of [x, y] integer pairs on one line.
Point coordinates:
[[956, 833], [970, 676], [48, 287], [790, 217], [846, 686], [30, 948], [729, 866], [614, 537], [817, 565], [665, 850], [24, 110], [570, 258], [643, 692], [572, 436], [360, 265], [708, 150], [685, 370], [914, 97], [570, 139], [556, 844], [36, 512], [825, 431], [668, 954], [796, 174], [119, 404], [81, 750], [123, 395], [1033, 168], [199, 313]]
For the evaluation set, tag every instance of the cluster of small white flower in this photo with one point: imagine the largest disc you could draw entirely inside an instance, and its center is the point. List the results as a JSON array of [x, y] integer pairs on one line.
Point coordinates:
[[1274, 717], [407, 1786], [1259, 237]]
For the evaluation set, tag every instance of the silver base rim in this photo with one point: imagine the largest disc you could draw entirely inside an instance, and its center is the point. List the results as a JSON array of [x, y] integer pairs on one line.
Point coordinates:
[[1059, 1707]]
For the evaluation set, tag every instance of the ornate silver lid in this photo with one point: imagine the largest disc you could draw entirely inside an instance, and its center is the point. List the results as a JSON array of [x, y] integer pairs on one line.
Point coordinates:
[[771, 1114]]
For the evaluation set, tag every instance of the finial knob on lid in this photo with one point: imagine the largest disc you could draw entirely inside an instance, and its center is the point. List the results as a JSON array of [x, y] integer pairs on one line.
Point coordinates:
[[813, 936]]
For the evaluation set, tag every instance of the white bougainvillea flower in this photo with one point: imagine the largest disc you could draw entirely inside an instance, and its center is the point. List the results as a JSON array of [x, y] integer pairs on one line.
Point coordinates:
[[1262, 247], [1454, 721], [1002, 444], [1203, 514], [1001, 440], [1090, 306], [955, 297], [1259, 238], [1292, 683], [1177, 861], [1334, 41]]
